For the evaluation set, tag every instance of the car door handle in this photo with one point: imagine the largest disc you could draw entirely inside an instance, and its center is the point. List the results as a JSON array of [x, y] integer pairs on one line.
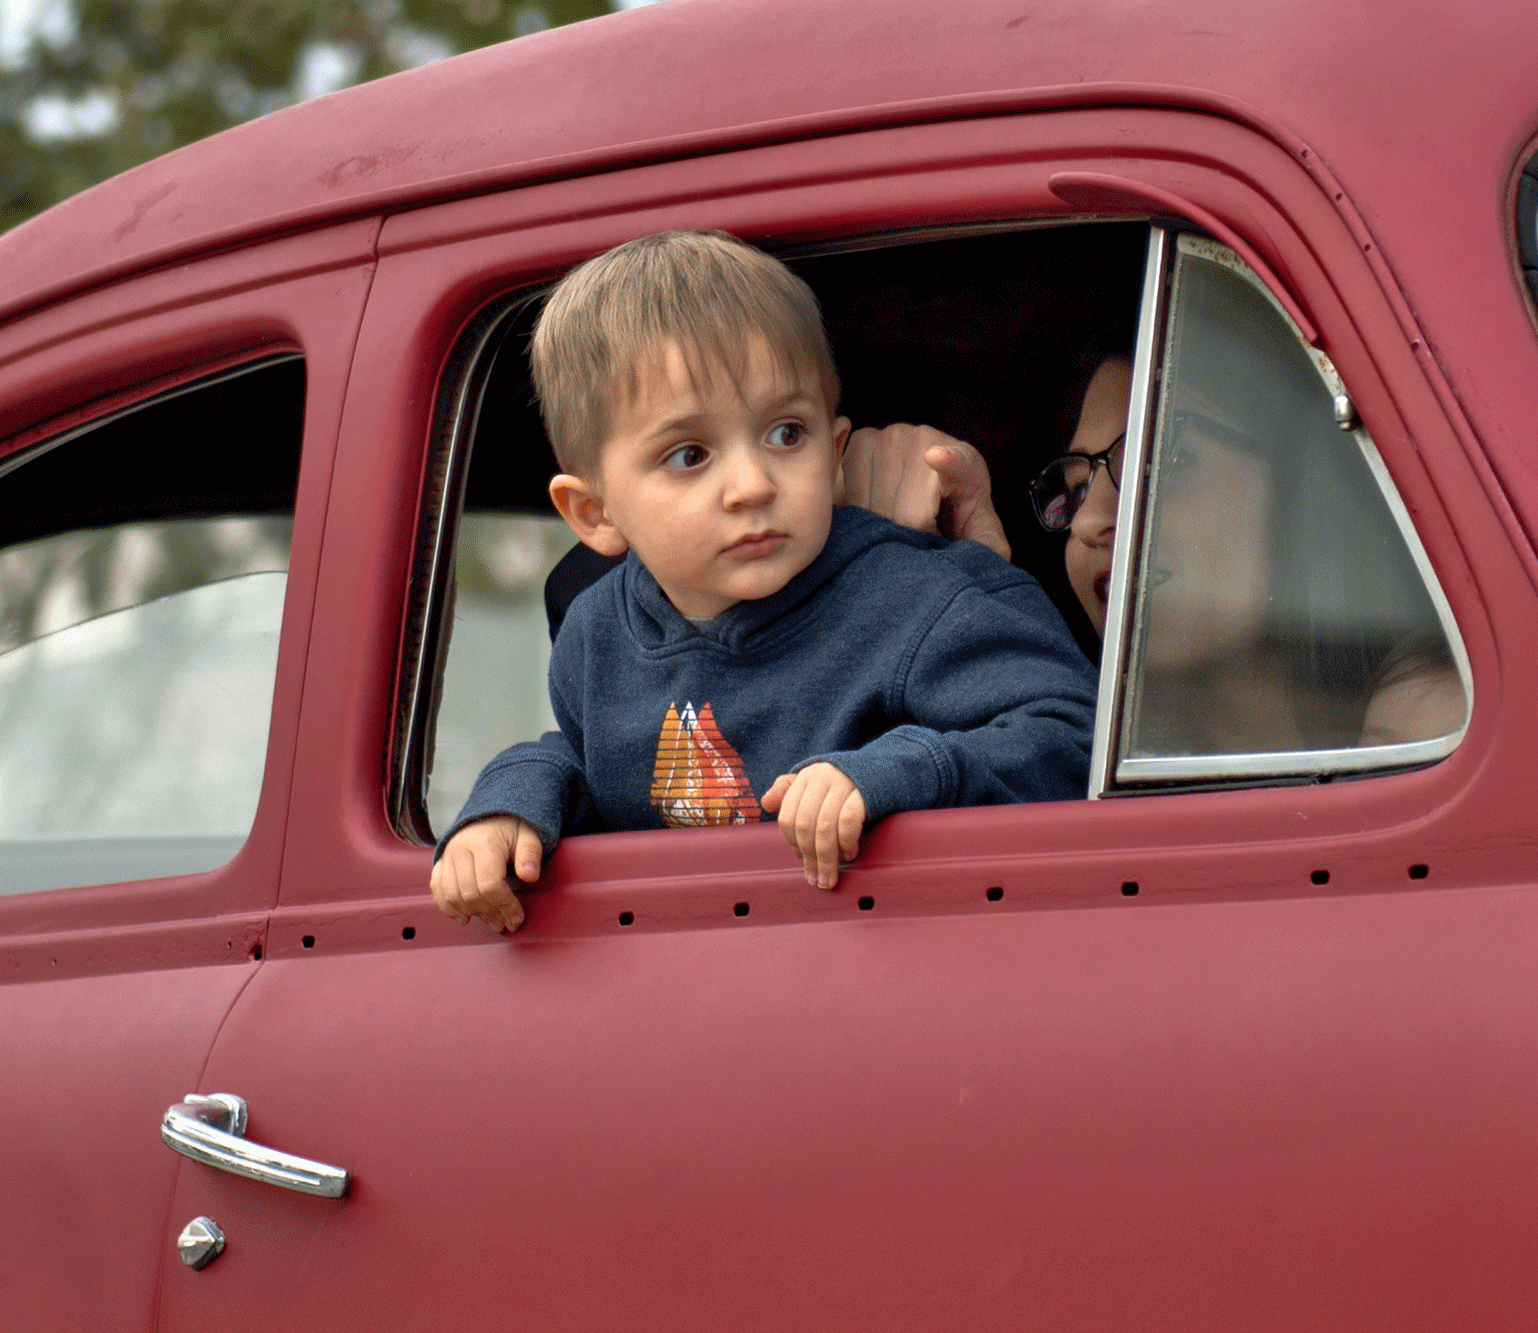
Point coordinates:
[[212, 1130]]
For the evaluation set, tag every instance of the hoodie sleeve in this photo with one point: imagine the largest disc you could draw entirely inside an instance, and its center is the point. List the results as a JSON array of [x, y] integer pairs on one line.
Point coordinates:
[[998, 706], [541, 781]]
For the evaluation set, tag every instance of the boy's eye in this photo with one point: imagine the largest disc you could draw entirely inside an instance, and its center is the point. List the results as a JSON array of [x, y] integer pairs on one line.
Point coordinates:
[[787, 435], [685, 456]]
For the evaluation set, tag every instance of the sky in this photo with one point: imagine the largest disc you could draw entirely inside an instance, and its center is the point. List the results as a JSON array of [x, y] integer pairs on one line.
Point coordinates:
[[18, 17]]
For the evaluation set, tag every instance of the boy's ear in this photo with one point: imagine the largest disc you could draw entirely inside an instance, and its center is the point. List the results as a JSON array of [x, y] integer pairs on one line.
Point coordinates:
[[841, 428], [578, 503]]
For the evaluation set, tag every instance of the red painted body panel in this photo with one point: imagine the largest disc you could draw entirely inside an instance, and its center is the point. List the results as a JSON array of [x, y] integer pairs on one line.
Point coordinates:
[[116, 992], [1189, 1117], [85, 1180], [1235, 1100]]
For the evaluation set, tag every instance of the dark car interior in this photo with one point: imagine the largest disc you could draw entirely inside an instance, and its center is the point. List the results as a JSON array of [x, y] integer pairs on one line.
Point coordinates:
[[980, 335]]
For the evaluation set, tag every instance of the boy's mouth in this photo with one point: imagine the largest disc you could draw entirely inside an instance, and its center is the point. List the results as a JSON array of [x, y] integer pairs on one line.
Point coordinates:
[[757, 544], [1102, 586]]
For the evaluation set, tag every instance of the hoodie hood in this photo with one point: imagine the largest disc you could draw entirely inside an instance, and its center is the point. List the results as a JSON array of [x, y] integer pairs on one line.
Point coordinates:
[[657, 625]]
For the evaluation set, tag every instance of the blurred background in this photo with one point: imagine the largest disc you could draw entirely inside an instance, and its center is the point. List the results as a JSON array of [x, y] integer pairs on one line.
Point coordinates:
[[89, 88]]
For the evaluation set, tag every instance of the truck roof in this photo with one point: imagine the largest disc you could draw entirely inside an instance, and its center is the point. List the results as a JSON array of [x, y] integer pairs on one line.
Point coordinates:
[[1419, 108]]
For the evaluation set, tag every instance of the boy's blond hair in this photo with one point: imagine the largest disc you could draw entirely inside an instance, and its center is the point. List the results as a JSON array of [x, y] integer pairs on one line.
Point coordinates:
[[605, 323]]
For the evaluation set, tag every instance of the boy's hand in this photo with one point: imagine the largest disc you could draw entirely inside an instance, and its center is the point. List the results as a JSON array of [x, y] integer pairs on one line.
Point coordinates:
[[470, 878], [821, 814], [924, 479]]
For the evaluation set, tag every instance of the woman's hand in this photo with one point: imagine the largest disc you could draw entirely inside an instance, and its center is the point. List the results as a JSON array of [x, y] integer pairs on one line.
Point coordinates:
[[924, 479]]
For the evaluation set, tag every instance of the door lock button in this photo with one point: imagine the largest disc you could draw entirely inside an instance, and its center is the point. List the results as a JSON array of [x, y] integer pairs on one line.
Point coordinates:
[[200, 1243]]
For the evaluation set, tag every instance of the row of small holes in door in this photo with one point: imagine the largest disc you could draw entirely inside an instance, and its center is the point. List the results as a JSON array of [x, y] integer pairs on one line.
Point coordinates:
[[1129, 889]]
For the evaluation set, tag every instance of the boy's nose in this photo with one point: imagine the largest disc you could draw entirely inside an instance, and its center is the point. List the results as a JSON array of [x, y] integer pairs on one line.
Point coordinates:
[[747, 481]]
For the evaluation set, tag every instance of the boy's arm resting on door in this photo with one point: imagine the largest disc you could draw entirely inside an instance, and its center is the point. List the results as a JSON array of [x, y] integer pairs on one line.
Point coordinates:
[[1002, 703], [521, 803], [541, 782]]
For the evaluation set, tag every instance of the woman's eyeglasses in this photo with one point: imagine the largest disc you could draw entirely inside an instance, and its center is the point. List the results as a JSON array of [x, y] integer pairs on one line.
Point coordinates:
[[1059, 489]]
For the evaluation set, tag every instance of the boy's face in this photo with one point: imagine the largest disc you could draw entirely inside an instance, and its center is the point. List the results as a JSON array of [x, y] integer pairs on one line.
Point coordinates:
[[724, 489]]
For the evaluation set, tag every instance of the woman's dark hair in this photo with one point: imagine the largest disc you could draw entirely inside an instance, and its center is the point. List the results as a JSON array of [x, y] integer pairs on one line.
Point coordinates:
[[1114, 342]]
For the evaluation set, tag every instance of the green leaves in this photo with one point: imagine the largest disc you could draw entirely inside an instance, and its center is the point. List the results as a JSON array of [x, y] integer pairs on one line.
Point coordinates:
[[137, 79]]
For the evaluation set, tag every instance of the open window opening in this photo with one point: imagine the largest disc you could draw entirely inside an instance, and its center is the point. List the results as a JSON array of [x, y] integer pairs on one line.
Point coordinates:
[[1270, 613], [981, 335], [143, 565]]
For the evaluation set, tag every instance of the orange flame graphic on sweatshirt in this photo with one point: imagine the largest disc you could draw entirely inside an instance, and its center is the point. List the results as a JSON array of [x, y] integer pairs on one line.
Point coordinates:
[[698, 778]]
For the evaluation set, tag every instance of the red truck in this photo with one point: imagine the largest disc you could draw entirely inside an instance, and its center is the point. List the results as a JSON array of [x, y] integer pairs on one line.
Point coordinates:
[[1248, 1038]]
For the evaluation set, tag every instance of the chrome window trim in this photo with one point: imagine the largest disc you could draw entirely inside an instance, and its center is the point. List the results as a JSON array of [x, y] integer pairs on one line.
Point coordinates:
[[1132, 773], [1130, 507], [1193, 768]]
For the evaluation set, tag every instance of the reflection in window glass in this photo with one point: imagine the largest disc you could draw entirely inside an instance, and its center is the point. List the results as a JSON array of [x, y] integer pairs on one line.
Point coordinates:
[[49, 585], [494, 688], [136, 671], [1279, 608], [141, 600]]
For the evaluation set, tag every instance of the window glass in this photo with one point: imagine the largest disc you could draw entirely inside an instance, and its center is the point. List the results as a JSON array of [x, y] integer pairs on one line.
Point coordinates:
[[138, 650], [1283, 606]]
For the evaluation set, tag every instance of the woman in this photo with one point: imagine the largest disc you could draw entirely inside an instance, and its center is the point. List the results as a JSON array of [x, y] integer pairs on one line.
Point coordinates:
[[1256, 627]]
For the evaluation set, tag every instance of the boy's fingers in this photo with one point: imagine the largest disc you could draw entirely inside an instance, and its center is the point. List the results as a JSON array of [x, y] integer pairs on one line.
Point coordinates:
[[512, 918], [487, 894], [775, 796], [446, 888], [828, 837], [443, 894], [528, 854], [851, 819], [790, 803], [817, 832]]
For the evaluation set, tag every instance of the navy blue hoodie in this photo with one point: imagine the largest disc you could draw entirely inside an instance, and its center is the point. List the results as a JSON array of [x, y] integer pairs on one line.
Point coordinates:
[[932, 674]]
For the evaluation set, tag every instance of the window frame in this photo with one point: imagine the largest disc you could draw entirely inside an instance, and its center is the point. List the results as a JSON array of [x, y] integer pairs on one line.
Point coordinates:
[[429, 607], [1112, 774]]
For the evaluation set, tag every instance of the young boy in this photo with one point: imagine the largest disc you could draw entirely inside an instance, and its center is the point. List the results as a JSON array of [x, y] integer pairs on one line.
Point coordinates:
[[758, 647]]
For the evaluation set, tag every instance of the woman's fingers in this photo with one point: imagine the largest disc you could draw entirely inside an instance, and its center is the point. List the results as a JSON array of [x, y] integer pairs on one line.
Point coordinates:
[[884, 471], [966, 491]]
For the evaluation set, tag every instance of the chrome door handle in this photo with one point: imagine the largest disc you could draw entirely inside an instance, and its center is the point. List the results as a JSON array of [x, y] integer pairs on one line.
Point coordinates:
[[212, 1130]]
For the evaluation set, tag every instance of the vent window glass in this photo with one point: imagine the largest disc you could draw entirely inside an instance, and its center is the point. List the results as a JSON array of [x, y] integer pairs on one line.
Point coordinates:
[[1285, 618]]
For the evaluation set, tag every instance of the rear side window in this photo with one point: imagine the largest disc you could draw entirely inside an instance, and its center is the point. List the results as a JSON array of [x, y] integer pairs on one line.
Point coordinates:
[[142, 578]]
